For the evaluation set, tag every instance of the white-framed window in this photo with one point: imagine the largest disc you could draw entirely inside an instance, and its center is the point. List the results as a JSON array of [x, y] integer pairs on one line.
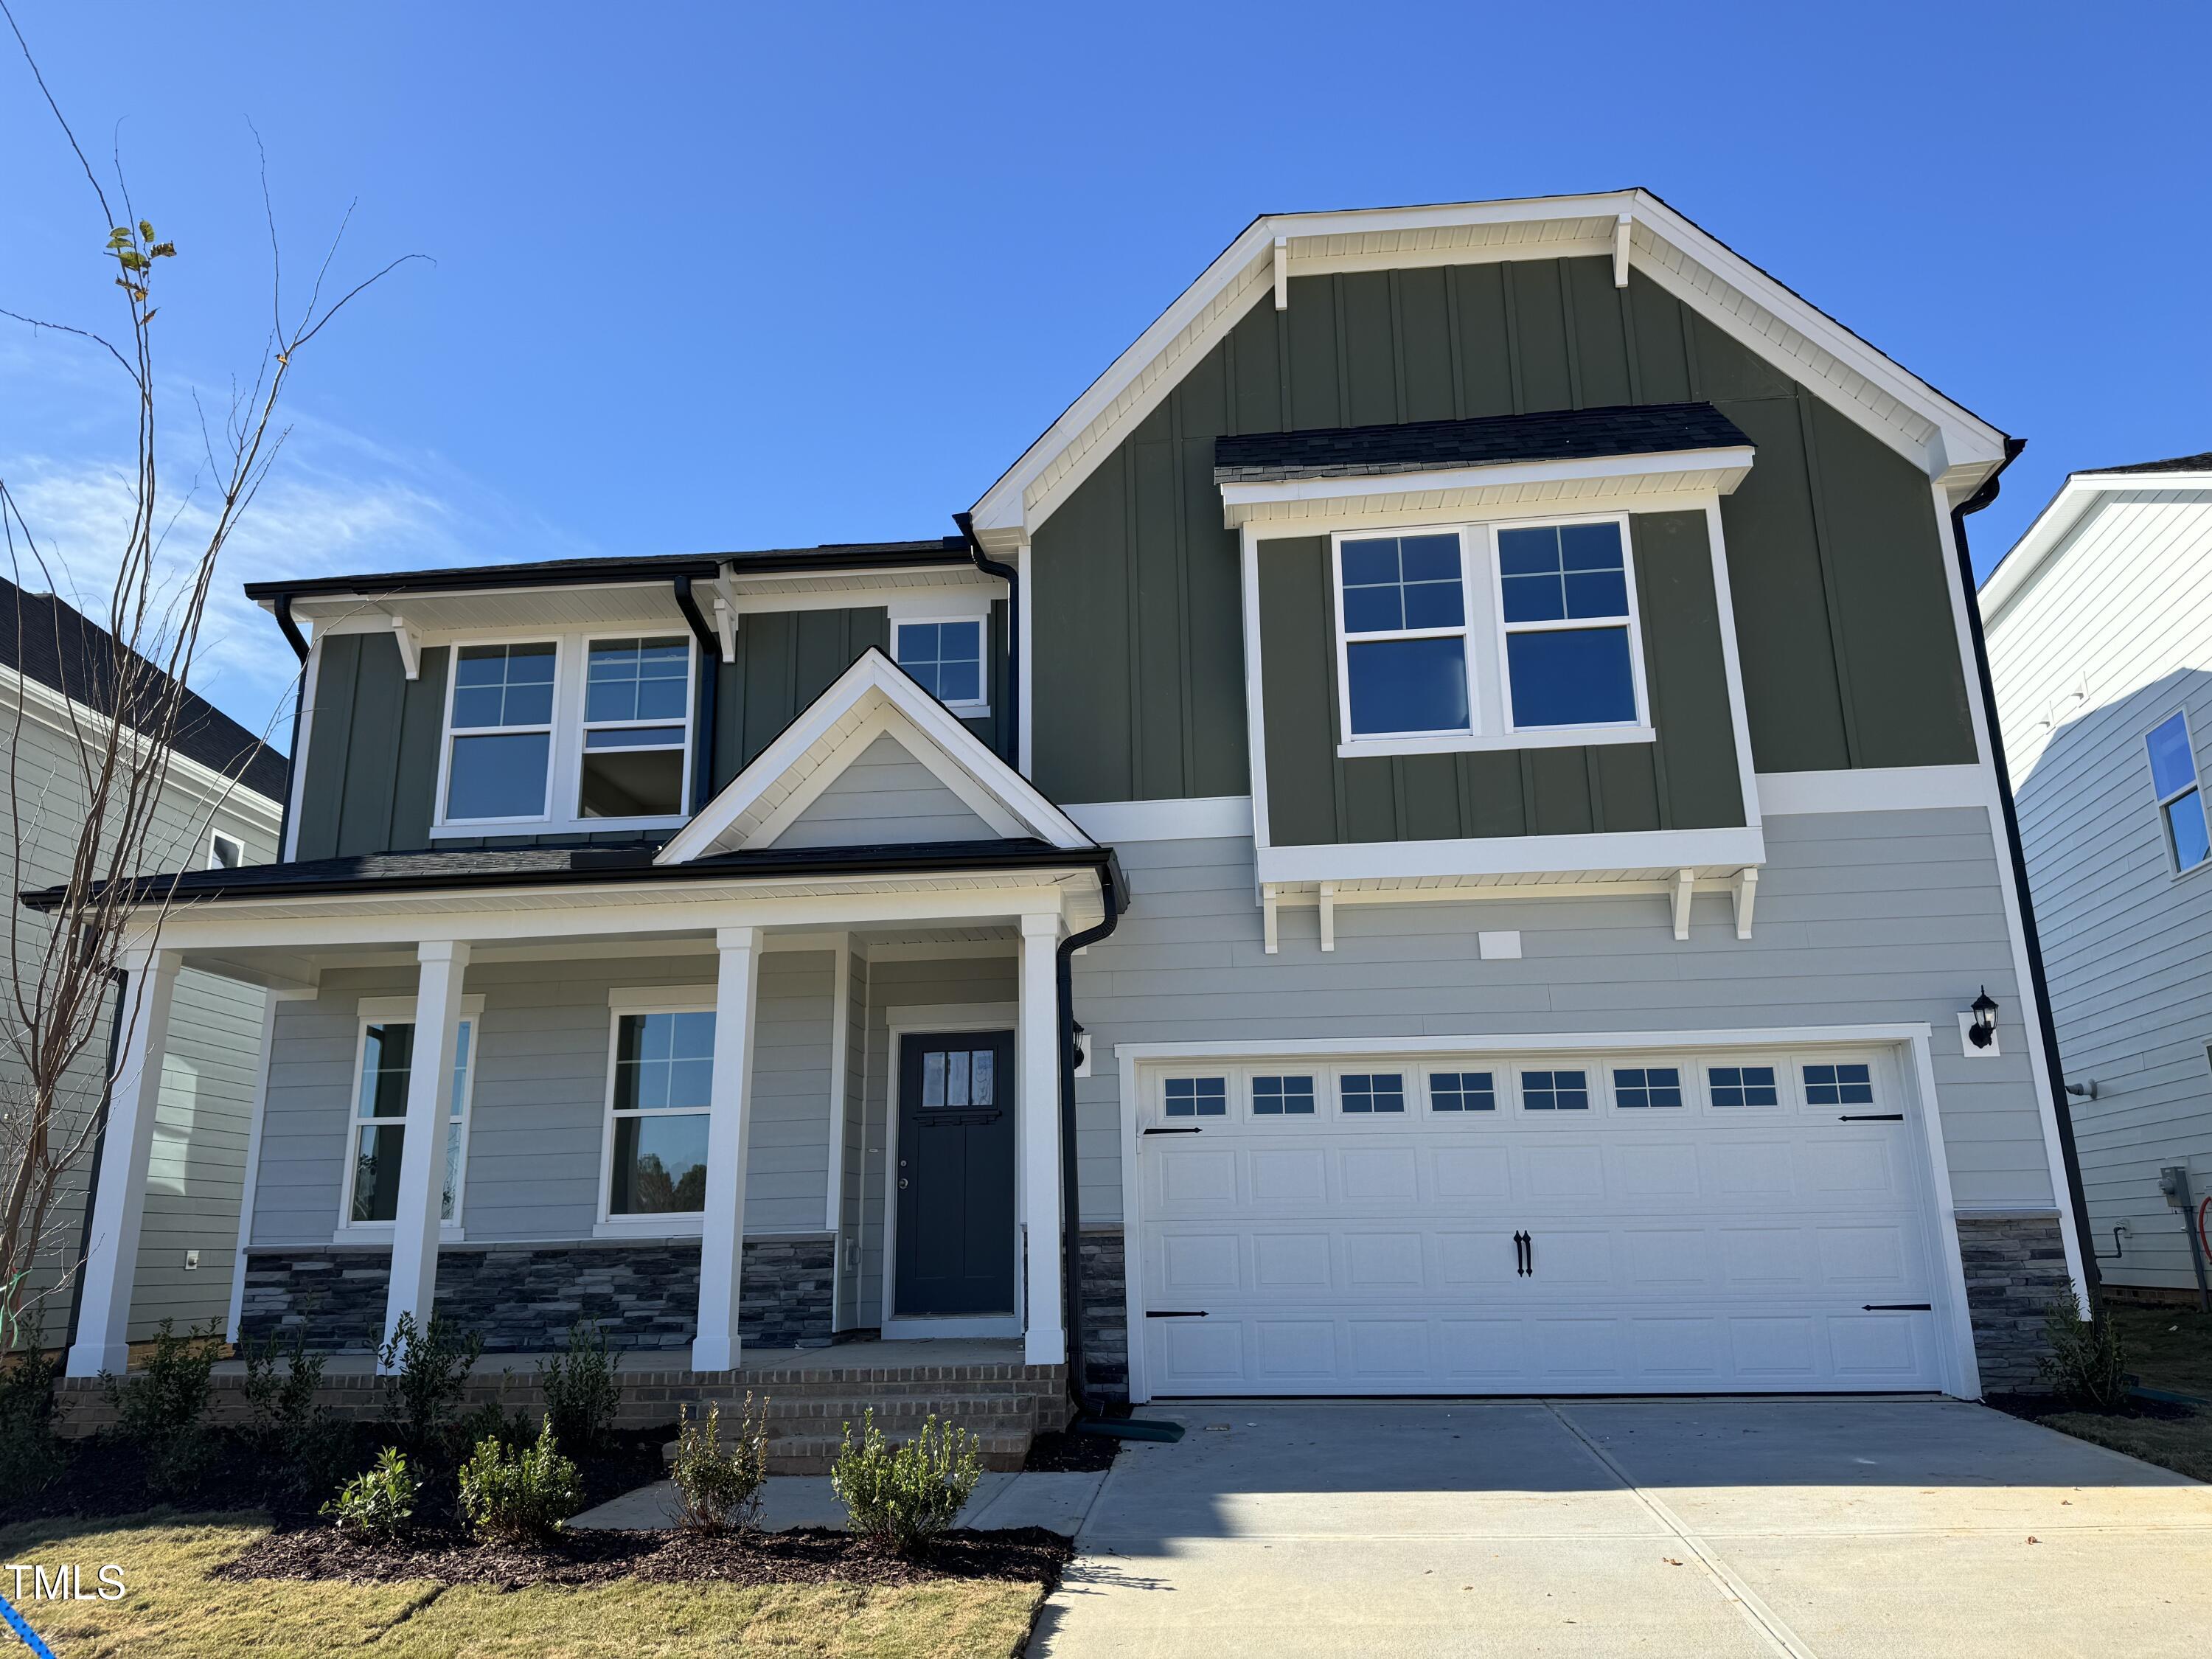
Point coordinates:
[[2181, 802], [1555, 1088], [224, 851], [1483, 634], [1644, 1088], [945, 657], [1743, 1085], [660, 1080], [1372, 1093], [377, 1131], [1841, 1083], [635, 756], [1276, 1094], [1463, 1091], [498, 761], [1194, 1096]]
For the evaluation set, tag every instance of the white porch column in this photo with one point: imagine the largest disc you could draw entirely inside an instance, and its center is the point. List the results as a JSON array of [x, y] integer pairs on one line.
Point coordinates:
[[729, 1139], [1044, 1340], [118, 1209], [422, 1144]]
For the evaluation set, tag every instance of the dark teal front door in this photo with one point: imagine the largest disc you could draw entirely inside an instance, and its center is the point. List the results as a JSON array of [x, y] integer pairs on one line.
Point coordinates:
[[955, 1178]]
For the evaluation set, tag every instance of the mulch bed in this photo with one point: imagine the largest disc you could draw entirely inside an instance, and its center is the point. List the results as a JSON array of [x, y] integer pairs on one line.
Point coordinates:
[[806, 1556], [1059, 1453], [2036, 1406]]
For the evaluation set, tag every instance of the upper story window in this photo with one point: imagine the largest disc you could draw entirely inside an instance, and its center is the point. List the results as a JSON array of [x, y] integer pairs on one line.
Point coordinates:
[[2181, 802], [946, 659], [547, 734], [224, 851], [1480, 635]]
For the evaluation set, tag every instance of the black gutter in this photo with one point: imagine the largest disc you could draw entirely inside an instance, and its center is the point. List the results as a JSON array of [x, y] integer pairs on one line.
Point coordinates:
[[1013, 577], [2038, 982], [297, 641], [599, 864], [703, 725]]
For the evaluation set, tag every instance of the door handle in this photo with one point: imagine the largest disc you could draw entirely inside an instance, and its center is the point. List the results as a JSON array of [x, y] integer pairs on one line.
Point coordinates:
[[1524, 1255], [902, 1183]]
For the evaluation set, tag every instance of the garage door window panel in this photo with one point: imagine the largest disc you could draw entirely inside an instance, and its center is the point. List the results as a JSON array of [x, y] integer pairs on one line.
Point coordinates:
[[1277, 1095], [1647, 1088], [1555, 1091], [1744, 1085], [1372, 1093], [1194, 1096], [1463, 1091], [1840, 1084]]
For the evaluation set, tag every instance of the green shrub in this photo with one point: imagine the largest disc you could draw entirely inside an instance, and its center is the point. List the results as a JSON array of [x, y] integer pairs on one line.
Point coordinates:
[[519, 1497], [904, 1496], [306, 1447], [719, 1485], [582, 1395], [426, 1372], [378, 1503], [162, 1409], [31, 1454], [2088, 1362]]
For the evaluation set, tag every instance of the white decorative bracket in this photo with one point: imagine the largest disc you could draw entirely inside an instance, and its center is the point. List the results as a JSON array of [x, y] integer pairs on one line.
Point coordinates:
[[411, 647], [1328, 915], [1267, 921], [1282, 273], [726, 625], [1744, 893], [1620, 233], [1686, 883]]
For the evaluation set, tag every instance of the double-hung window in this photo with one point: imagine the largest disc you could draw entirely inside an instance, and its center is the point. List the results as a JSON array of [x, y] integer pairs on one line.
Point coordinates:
[[662, 1088], [637, 716], [500, 742], [1562, 593], [379, 1126], [946, 659], [2181, 802], [1403, 601]]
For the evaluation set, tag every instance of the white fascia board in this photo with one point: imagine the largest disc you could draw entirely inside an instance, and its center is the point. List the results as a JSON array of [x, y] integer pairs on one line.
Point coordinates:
[[2065, 512], [1944, 437], [1702, 471], [872, 678], [1516, 855], [1206, 818], [1874, 789]]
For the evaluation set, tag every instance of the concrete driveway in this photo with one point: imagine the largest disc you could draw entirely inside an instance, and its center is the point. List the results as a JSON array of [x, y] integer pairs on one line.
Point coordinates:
[[1716, 1528]]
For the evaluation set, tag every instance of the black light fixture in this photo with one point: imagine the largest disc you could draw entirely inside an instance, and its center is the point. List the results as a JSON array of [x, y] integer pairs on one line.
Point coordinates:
[[1983, 1030]]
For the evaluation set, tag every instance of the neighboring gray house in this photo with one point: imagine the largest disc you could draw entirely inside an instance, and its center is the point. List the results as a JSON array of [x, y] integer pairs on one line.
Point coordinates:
[[2101, 638], [222, 806], [1476, 714]]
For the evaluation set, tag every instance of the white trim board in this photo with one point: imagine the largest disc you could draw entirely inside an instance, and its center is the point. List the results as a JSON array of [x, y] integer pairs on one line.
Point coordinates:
[[1646, 853], [1873, 789], [1201, 818], [1530, 485]]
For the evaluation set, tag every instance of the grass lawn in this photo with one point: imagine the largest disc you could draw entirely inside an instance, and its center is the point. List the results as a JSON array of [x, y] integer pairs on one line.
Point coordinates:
[[2169, 1349], [174, 1610]]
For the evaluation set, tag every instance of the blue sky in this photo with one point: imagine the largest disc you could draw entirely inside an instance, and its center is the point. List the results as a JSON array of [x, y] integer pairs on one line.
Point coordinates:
[[712, 276]]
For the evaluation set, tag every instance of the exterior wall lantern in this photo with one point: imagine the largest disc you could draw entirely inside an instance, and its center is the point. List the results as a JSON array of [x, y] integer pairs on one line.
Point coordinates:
[[1983, 1030]]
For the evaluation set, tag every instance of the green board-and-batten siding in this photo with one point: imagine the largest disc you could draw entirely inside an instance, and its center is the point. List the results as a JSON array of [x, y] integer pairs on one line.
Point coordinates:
[[1843, 620], [371, 777], [1685, 779]]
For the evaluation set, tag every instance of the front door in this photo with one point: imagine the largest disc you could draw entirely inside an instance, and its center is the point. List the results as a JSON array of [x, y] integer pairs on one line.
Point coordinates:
[[955, 1178]]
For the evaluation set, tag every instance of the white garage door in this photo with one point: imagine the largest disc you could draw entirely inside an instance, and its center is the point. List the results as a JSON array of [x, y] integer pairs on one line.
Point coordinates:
[[1464, 1223]]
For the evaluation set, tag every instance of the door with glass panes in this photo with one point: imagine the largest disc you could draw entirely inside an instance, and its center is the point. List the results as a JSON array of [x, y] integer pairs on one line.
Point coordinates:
[[953, 1185]]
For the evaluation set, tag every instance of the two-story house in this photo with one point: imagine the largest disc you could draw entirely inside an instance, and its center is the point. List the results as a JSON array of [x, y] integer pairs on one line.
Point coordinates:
[[1436, 833], [2100, 643]]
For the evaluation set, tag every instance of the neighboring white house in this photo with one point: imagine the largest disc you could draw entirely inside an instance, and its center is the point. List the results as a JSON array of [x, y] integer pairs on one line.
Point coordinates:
[[221, 808], [2100, 627]]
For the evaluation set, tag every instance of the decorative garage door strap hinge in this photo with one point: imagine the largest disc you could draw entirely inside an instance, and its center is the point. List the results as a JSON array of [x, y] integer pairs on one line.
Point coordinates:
[[1524, 1255], [1896, 1307], [1175, 1313], [1871, 1117], [1192, 1129]]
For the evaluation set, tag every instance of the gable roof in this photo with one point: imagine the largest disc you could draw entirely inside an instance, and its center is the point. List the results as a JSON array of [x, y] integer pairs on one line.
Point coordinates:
[[1423, 445], [48, 641], [1634, 226], [873, 696], [2076, 499]]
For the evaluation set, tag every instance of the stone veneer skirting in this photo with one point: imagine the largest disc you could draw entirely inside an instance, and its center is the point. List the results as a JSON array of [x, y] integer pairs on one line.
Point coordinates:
[[2015, 1266], [1102, 1274], [524, 1297]]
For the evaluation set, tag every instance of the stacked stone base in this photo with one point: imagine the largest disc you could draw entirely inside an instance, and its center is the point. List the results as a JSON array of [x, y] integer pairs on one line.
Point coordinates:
[[2015, 1268]]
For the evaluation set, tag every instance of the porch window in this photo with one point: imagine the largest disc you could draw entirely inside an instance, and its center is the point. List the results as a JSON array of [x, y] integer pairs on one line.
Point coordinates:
[[501, 726], [637, 709], [387, 1053], [663, 1080]]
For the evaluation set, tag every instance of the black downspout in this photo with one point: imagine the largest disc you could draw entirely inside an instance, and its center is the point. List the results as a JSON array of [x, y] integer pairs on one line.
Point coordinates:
[[1980, 499], [1013, 577], [122, 978], [710, 662], [297, 641]]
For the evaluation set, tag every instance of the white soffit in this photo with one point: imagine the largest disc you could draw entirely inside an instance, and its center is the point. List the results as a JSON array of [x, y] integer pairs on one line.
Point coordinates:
[[1947, 442], [1589, 483], [2077, 498], [870, 698]]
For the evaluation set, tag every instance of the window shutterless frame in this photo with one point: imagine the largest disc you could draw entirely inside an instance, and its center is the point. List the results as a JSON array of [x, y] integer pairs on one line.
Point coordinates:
[[1631, 619], [224, 851], [1464, 632], [549, 727], [585, 725], [650, 1223], [967, 708], [2174, 781], [460, 1116]]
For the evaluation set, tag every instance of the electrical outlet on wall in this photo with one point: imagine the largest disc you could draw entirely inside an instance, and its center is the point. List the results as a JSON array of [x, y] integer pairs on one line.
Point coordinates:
[[192, 1259]]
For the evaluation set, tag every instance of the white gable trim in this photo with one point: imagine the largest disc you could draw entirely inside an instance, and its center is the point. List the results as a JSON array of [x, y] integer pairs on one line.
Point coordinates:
[[872, 697], [1947, 442], [2075, 499]]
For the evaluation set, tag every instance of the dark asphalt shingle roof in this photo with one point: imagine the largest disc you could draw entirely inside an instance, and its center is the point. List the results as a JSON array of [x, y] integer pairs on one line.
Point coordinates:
[[539, 866], [51, 641], [2202, 463], [1422, 446]]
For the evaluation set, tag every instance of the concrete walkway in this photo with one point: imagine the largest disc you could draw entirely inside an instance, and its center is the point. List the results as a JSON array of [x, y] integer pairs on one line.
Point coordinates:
[[1844, 1530]]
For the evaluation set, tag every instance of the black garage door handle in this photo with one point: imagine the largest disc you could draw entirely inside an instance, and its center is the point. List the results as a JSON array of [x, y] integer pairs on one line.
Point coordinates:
[[1896, 1307], [1193, 1130]]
